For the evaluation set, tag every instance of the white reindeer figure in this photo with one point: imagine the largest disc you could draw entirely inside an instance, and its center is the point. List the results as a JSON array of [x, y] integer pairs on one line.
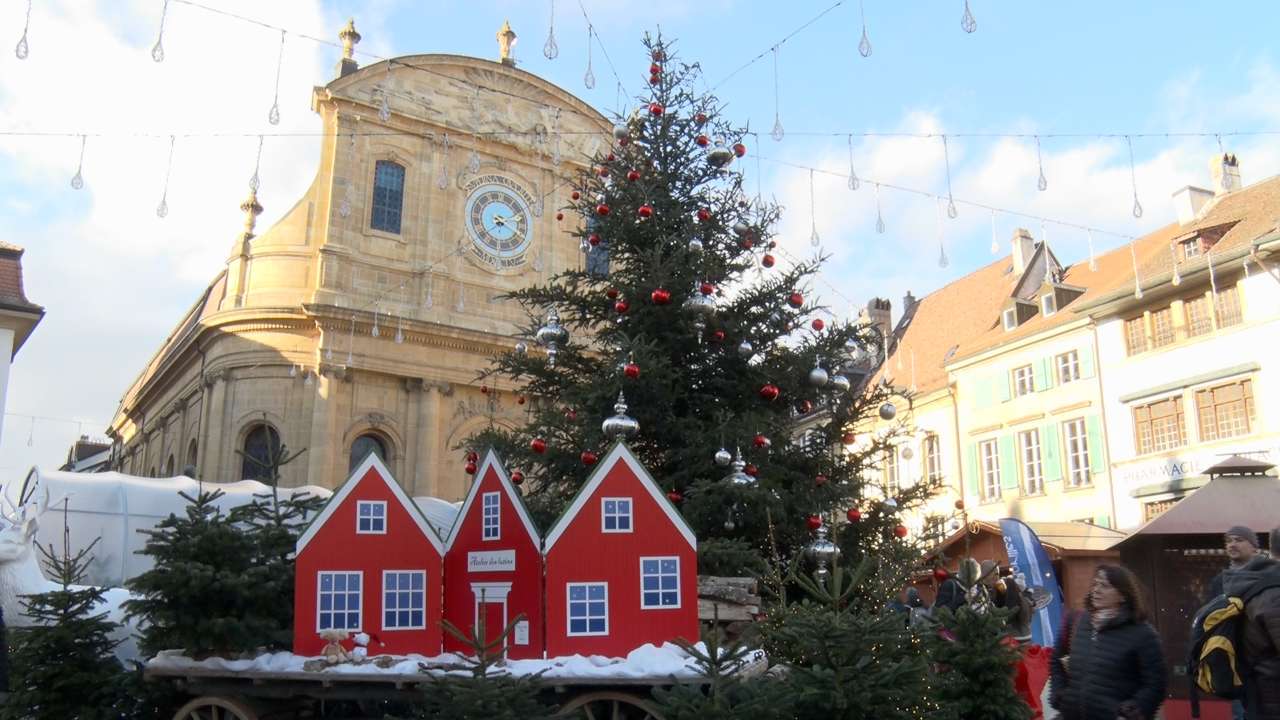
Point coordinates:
[[20, 571]]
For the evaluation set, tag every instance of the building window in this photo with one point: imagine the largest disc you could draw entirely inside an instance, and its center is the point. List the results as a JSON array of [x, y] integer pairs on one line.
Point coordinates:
[[1228, 306], [492, 515], [371, 517], [168, 466], [616, 515], [935, 529], [932, 458], [1048, 304], [261, 445], [192, 453], [1199, 319], [1073, 432], [1225, 411], [1010, 318], [1135, 335], [588, 608], [404, 600], [1162, 327], [1190, 248], [660, 582], [388, 196], [890, 471], [1153, 510], [1159, 425], [1068, 367], [339, 607], [362, 447], [990, 453], [1023, 381], [1032, 467]]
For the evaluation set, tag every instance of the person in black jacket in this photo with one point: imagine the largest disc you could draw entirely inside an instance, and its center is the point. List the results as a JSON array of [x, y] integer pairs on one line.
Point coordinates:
[[1115, 669]]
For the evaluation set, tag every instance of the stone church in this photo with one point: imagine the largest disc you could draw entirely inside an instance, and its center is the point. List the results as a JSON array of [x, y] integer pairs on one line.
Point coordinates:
[[359, 321]]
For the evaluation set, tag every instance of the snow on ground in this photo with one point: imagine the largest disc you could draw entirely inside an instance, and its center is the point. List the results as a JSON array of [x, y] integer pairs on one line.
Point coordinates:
[[645, 662]]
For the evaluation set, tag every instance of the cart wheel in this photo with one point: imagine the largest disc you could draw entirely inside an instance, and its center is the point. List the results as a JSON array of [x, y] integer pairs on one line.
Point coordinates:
[[212, 707], [610, 705]]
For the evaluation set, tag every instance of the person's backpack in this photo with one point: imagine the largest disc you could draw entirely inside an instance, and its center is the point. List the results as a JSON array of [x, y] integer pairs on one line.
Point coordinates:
[[1214, 663]]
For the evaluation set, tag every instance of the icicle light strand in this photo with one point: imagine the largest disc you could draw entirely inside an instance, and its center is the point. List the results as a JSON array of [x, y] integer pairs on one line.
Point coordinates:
[[157, 50], [22, 49], [273, 115]]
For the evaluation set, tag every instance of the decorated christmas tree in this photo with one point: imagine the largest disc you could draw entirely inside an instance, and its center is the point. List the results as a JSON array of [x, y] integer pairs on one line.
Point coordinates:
[[63, 666], [695, 339]]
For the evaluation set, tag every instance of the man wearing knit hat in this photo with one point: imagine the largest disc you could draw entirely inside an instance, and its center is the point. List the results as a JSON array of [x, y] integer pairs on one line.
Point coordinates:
[[1257, 581], [1241, 544]]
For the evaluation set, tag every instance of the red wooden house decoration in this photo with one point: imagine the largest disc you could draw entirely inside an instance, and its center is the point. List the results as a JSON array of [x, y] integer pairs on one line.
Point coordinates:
[[370, 562], [493, 565], [621, 566]]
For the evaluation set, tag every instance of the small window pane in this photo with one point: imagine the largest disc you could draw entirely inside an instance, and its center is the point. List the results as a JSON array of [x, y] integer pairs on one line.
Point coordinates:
[[388, 196]]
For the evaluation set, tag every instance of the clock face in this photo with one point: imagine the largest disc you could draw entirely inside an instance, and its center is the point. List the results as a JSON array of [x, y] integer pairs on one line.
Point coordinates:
[[499, 220]]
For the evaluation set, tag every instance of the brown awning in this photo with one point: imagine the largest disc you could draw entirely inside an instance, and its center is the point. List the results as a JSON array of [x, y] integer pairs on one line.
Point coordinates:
[[1226, 500], [1239, 465], [1058, 538]]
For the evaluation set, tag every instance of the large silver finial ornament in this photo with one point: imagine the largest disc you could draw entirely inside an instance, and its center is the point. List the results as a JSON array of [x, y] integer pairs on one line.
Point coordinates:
[[719, 155], [888, 411], [746, 350], [840, 382], [621, 132], [551, 335], [701, 307], [822, 552], [818, 377], [695, 246], [738, 477], [621, 425], [723, 457]]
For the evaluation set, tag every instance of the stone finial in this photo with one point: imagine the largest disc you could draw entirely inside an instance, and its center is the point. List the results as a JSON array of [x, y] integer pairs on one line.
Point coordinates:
[[506, 42], [349, 38], [251, 209]]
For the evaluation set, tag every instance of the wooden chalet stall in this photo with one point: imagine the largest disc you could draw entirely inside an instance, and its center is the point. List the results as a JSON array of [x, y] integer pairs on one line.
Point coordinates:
[[621, 565], [1177, 554], [370, 562], [493, 565]]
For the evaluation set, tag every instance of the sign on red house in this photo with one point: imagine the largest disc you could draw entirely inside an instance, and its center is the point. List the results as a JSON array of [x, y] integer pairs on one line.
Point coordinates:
[[493, 566], [370, 562], [621, 565]]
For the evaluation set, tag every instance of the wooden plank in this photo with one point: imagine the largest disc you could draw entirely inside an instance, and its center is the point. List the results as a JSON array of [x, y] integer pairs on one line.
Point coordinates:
[[712, 611]]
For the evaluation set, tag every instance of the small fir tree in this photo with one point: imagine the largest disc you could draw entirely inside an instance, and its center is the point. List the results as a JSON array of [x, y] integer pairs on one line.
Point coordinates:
[[723, 693], [62, 666]]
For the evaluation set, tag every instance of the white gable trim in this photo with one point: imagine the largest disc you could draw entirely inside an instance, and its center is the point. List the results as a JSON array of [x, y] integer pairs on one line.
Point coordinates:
[[491, 460], [619, 453], [338, 497]]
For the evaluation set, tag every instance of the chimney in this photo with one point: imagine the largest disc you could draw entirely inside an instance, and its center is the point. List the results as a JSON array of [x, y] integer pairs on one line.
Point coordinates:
[[1225, 171], [1024, 246], [908, 303], [876, 314], [1189, 201]]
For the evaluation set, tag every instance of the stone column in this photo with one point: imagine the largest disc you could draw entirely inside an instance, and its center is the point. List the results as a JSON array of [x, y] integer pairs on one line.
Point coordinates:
[[212, 450], [430, 437], [412, 452], [320, 468]]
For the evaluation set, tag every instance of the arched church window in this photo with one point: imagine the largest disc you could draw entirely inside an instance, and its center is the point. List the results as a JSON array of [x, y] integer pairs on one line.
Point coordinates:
[[168, 466], [261, 443], [388, 196], [192, 453], [365, 444]]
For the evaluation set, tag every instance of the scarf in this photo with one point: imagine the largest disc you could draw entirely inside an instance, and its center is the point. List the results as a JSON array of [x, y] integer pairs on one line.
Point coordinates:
[[1102, 617]]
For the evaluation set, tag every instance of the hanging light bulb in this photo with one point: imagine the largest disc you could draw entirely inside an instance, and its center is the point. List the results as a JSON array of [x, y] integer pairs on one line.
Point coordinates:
[[879, 214], [77, 180], [273, 115], [442, 178], [967, 22], [21, 50], [864, 45], [400, 332], [306, 379], [589, 78], [550, 50], [853, 174], [375, 331], [777, 132], [157, 50], [814, 240], [1042, 183], [473, 162]]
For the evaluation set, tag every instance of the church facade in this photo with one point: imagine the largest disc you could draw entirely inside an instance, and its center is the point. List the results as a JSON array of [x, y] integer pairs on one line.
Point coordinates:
[[359, 322]]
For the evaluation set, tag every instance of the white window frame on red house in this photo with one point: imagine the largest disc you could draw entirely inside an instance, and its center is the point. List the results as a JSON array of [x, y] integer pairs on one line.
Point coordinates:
[[659, 573], [377, 520], [587, 600], [491, 515], [420, 595], [334, 593], [618, 516]]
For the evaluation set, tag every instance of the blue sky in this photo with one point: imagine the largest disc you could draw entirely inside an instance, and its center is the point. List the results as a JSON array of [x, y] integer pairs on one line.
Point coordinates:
[[115, 279]]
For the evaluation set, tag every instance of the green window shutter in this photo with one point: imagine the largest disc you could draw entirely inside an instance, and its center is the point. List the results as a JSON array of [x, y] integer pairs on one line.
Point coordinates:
[[1009, 470], [1086, 361], [1102, 521], [1004, 382], [1097, 449], [1050, 455], [971, 471], [1040, 373]]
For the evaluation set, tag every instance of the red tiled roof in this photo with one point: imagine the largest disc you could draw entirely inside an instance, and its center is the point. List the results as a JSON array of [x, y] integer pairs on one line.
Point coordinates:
[[11, 292]]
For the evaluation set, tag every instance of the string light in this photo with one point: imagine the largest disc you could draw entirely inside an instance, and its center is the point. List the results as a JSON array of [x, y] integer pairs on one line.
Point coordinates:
[[254, 181], [550, 50], [777, 133], [77, 180], [853, 175], [21, 50], [879, 214], [781, 42], [967, 22], [814, 240], [273, 115], [157, 50], [995, 243], [946, 158], [1133, 178], [942, 250], [1176, 280], [1137, 285], [162, 210], [1042, 183], [864, 45], [589, 78], [592, 31]]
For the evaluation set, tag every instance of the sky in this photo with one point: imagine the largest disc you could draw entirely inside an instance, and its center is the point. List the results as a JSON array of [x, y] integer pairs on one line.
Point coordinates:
[[115, 278]]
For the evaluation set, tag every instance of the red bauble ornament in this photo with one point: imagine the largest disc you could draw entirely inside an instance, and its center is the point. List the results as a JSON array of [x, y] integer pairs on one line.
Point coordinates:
[[848, 438], [959, 504], [746, 243], [739, 149], [767, 260], [654, 80], [631, 370], [519, 399], [751, 470], [484, 389], [660, 296], [707, 288], [538, 445], [658, 55], [704, 215], [813, 522], [761, 441], [633, 175], [854, 515], [700, 119], [570, 414], [588, 458], [575, 195], [773, 244], [940, 574], [559, 216], [702, 140], [621, 307], [623, 142], [900, 531], [805, 407], [656, 109], [796, 300], [610, 157], [675, 497], [645, 211], [770, 392], [717, 336], [473, 456], [820, 480], [593, 239], [471, 468], [655, 68], [517, 477], [817, 324], [602, 209], [611, 293]]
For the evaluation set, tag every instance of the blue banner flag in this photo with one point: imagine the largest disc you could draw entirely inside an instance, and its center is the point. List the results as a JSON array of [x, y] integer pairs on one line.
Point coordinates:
[[1034, 573]]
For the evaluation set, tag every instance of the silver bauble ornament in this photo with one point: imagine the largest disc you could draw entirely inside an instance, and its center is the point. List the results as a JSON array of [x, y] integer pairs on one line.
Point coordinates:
[[620, 425], [817, 376], [738, 477], [907, 453], [740, 228], [955, 523], [621, 132], [891, 503], [695, 246], [888, 411], [746, 349], [522, 348], [840, 382], [723, 457], [719, 156], [729, 525], [822, 552], [701, 308]]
